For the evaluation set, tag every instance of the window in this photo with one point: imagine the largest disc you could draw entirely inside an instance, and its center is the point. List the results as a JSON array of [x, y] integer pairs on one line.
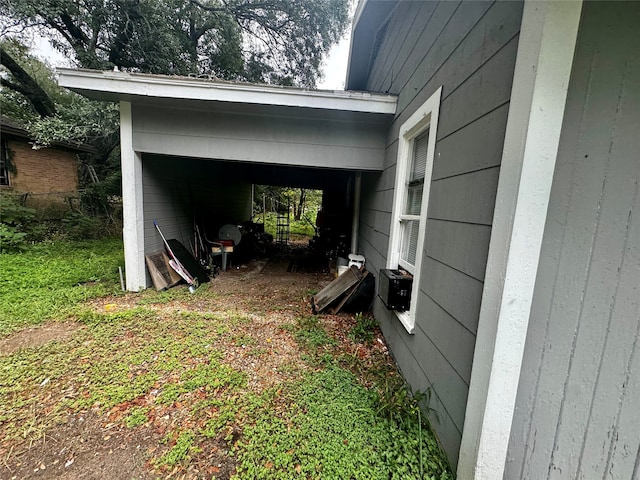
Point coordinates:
[[4, 163], [416, 146]]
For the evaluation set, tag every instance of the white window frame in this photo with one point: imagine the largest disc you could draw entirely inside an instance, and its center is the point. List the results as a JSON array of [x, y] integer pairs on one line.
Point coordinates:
[[423, 119]]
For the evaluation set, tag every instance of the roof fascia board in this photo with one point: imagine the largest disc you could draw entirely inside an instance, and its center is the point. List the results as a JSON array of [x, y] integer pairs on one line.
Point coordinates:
[[121, 85], [368, 18]]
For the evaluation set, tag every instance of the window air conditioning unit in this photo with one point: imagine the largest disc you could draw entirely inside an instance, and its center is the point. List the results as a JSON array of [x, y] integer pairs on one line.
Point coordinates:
[[394, 289]]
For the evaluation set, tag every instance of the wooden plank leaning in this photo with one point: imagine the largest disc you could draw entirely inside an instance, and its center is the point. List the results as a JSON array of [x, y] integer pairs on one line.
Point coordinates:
[[332, 292]]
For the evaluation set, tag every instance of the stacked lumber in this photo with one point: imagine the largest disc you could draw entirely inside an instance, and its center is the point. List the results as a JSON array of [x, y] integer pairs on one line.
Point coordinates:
[[335, 296]]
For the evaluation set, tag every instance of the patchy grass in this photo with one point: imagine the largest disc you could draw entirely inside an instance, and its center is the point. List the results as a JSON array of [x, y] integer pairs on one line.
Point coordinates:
[[296, 227], [365, 328], [227, 389], [311, 335], [50, 280]]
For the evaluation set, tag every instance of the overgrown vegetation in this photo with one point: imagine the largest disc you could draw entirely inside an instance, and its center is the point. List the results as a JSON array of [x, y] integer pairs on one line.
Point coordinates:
[[364, 329], [296, 227], [17, 225], [22, 226], [164, 361], [331, 428], [51, 280]]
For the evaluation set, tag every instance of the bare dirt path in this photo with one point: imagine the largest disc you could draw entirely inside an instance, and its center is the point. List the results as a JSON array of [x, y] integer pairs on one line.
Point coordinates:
[[35, 336]]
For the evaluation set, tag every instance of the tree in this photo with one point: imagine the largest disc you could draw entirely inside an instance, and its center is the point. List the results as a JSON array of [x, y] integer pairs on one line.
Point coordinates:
[[20, 81], [298, 206], [273, 41], [31, 95]]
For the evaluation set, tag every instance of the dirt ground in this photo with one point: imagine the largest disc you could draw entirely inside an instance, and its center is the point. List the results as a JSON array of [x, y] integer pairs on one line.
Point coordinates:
[[34, 336], [96, 445]]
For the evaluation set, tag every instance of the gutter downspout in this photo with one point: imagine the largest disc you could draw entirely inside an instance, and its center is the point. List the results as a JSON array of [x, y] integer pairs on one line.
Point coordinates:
[[355, 222]]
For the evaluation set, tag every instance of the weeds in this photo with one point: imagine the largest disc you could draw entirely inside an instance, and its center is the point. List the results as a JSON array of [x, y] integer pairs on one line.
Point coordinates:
[[50, 281], [137, 417], [310, 334], [337, 416], [181, 450], [337, 428], [17, 225], [364, 328], [331, 429]]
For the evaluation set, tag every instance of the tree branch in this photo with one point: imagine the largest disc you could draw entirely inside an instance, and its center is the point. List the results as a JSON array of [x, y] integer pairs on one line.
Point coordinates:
[[27, 86], [14, 86]]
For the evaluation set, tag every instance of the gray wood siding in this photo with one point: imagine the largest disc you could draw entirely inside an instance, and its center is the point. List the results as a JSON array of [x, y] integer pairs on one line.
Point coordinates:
[[165, 201], [469, 49], [177, 190], [283, 140], [578, 404]]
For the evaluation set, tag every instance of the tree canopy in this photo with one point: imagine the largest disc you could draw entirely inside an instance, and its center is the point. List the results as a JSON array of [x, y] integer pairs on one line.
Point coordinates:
[[31, 96], [272, 41]]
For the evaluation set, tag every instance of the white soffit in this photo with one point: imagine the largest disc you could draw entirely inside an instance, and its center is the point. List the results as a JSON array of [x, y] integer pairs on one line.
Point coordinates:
[[108, 85]]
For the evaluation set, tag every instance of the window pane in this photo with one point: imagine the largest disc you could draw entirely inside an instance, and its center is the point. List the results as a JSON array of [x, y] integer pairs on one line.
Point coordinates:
[[419, 163], [414, 200], [416, 175], [409, 240]]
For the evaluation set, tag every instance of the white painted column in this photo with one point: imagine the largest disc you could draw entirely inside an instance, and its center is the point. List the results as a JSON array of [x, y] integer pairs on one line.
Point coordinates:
[[132, 212], [543, 67]]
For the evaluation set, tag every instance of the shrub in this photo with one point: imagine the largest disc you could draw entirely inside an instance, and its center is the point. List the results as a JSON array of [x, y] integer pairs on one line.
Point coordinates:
[[17, 225], [79, 226]]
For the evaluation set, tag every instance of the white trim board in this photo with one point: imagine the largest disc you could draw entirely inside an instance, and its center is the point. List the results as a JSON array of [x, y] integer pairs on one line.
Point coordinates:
[[543, 68], [127, 86]]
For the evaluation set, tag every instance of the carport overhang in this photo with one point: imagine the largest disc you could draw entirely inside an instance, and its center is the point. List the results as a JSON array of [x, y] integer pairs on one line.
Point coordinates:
[[257, 124]]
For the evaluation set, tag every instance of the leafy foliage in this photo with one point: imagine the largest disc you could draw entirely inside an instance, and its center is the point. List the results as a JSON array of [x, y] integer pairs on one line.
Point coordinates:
[[274, 41], [79, 120], [181, 450], [302, 227], [17, 225], [364, 328], [311, 335], [32, 98], [28, 85], [71, 118], [50, 280], [331, 430], [303, 205]]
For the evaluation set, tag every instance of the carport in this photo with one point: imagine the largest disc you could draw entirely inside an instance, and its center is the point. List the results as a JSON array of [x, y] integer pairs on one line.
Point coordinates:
[[194, 146]]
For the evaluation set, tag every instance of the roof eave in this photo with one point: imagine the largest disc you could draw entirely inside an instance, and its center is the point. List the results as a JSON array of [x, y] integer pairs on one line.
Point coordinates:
[[107, 85], [368, 18]]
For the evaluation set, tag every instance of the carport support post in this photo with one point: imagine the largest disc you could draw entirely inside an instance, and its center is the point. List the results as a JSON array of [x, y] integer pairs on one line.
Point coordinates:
[[132, 212]]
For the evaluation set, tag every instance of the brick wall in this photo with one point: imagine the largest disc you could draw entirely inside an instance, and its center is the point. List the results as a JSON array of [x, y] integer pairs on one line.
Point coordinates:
[[48, 170]]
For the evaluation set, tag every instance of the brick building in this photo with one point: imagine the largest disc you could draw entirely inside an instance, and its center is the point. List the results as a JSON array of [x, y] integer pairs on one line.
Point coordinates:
[[44, 178]]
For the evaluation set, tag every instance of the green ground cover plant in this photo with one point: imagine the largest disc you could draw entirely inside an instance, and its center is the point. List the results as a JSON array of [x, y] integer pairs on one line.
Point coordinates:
[[49, 280], [301, 227], [331, 428], [183, 366]]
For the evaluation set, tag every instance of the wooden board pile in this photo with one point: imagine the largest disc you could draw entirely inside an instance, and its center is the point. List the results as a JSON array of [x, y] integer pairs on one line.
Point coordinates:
[[333, 298]]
